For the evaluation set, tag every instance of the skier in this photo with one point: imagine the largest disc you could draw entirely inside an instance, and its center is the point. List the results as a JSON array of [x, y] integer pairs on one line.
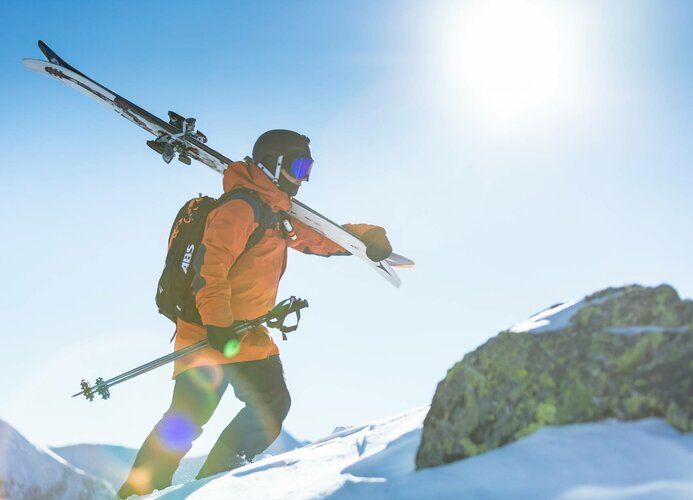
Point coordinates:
[[235, 283]]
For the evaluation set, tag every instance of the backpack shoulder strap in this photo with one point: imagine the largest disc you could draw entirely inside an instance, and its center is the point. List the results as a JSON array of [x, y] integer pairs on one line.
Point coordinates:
[[250, 197], [264, 217]]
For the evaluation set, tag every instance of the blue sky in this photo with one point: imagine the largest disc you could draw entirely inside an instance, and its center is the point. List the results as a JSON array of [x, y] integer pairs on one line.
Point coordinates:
[[520, 157]]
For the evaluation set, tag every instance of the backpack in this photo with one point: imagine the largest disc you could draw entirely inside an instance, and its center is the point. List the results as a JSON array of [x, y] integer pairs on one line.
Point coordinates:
[[175, 297]]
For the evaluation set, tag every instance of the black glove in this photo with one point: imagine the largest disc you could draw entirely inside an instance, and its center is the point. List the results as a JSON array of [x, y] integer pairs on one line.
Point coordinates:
[[377, 245], [219, 336]]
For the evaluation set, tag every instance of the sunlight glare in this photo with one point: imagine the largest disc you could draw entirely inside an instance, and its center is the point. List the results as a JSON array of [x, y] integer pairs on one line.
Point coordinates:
[[514, 60]]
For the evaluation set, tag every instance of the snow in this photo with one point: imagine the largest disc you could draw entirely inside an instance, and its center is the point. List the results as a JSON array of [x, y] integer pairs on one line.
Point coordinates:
[[645, 459], [29, 470], [638, 329], [559, 316], [313, 471], [553, 318]]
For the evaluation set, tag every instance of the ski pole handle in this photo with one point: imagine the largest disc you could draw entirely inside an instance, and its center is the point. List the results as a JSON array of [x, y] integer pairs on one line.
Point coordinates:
[[289, 306], [277, 316]]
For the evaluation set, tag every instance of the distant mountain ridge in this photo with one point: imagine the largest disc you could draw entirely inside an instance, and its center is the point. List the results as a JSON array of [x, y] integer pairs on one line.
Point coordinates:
[[112, 463], [28, 470]]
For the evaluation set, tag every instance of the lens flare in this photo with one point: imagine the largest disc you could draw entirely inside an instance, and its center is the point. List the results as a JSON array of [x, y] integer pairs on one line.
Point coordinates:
[[232, 348], [176, 432], [208, 379], [140, 479]]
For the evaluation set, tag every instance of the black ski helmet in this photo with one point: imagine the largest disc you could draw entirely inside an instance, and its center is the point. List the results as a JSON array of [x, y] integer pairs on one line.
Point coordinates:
[[285, 143], [275, 143]]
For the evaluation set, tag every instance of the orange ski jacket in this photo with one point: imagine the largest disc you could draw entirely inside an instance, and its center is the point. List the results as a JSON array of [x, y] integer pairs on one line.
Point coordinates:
[[235, 285]]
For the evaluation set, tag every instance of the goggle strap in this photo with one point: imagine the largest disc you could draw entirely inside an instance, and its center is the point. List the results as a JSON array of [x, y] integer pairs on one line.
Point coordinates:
[[267, 171]]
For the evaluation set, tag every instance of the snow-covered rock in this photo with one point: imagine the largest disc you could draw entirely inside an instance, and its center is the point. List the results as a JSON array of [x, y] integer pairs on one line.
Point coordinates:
[[31, 471], [622, 352], [631, 309]]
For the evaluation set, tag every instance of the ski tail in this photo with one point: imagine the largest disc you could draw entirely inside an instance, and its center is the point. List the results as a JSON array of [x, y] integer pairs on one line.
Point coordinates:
[[396, 260]]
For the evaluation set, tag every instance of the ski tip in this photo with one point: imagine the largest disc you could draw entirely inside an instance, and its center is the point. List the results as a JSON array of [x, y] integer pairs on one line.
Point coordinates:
[[34, 64], [399, 261]]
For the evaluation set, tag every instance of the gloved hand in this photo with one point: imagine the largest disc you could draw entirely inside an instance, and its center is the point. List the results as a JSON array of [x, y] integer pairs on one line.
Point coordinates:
[[219, 336], [377, 245]]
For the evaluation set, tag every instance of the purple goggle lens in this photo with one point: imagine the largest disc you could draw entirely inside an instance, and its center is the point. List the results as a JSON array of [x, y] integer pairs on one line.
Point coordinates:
[[300, 168]]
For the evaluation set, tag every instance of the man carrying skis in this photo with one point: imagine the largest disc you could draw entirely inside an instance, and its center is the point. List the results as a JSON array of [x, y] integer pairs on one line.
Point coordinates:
[[236, 280]]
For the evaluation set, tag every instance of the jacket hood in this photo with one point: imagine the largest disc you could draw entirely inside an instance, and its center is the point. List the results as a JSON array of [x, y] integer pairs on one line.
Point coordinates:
[[240, 174]]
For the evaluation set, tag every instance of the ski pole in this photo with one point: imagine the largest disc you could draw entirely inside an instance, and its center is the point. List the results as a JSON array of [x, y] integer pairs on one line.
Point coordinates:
[[274, 319]]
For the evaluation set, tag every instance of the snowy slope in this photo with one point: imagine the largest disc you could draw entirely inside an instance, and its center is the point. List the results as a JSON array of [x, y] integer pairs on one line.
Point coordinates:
[[189, 467], [28, 470], [112, 463], [611, 459]]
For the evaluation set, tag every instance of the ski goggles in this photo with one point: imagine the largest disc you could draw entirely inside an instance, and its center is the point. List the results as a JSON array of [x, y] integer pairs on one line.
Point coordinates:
[[298, 167]]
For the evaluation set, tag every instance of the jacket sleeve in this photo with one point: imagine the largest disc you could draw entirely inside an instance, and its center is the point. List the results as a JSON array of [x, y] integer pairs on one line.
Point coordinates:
[[227, 230], [311, 242]]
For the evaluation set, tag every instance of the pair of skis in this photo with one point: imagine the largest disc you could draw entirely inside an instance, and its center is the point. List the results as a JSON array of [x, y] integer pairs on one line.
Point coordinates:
[[179, 137]]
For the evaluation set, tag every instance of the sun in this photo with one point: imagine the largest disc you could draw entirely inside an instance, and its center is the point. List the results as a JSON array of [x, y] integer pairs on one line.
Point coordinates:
[[513, 59]]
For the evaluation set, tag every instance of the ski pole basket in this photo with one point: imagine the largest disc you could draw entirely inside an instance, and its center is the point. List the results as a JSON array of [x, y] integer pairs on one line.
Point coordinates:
[[273, 319]]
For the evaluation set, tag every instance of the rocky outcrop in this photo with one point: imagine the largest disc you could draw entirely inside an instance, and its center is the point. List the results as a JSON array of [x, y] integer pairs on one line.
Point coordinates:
[[623, 353]]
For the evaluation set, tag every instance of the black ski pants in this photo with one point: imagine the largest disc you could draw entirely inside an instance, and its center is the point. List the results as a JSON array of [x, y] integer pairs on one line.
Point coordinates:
[[196, 394]]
